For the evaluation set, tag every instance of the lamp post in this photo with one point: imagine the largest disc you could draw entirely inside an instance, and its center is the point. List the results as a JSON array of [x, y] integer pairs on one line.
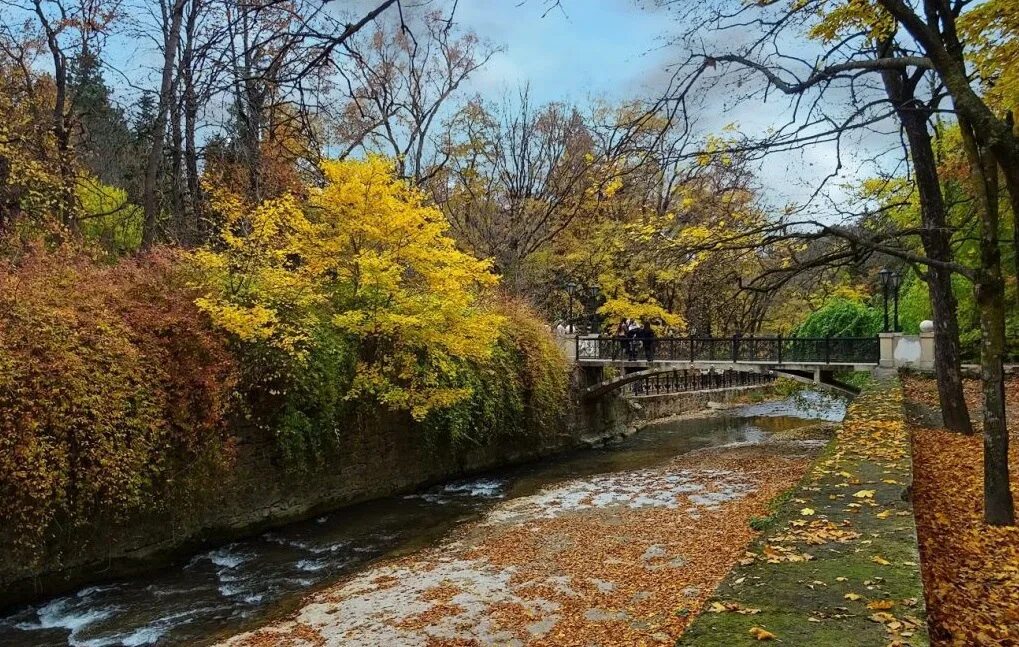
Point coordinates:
[[886, 275], [891, 280]]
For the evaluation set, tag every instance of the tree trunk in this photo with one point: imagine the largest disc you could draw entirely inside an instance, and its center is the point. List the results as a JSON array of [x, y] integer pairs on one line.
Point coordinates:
[[999, 508], [936, 240], [150, 200], [191, 191]]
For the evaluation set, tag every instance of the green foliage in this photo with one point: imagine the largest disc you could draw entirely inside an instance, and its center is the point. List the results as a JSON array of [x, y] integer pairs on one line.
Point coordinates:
[[914, 304], [108, 218], [521, 389], [841, 317], [305, 403]]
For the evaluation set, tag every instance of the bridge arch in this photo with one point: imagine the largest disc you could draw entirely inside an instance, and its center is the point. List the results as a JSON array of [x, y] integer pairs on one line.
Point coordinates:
[[696, 379], [680, 380]]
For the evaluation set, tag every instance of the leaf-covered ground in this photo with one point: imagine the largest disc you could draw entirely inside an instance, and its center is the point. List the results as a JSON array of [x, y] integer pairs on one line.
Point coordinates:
[[970, 570], [624, 558], [838, 564]]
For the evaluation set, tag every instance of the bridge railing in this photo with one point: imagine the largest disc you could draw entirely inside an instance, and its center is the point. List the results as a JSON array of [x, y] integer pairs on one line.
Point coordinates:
[[682, 380], [777, 350]]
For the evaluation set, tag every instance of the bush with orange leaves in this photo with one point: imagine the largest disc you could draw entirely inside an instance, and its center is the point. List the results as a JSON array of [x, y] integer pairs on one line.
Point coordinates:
[[112, 386]]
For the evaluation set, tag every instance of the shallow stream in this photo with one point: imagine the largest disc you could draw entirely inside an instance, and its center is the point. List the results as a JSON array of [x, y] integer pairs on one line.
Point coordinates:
[[239, 585]]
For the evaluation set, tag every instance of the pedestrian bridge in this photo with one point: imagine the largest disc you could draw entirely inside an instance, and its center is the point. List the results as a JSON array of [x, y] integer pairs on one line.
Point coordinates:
[[816, 360]]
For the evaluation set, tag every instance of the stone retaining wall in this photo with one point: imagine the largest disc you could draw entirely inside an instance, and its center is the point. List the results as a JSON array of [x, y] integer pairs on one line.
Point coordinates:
[[377, 458], [613, 417]]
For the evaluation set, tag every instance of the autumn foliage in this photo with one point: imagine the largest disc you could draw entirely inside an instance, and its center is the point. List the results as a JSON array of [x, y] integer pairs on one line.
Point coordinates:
[[970, 570], [112, 384], [365, 260], [117, 380]]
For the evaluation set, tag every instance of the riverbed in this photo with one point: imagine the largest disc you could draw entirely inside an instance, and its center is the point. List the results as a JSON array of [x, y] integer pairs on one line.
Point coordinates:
[[617, 542]]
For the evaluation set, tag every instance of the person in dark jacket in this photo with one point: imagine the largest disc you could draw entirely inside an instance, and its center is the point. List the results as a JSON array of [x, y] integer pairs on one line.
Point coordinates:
[[632, 342], [647, 338]]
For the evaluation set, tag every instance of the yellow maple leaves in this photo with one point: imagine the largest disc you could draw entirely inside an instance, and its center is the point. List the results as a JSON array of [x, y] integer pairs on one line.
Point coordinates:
[[839, 17], [761, 634], [366, 257]]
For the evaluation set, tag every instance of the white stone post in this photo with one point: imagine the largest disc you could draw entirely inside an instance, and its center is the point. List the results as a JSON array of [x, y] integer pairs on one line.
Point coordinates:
[[926, 361], [887, 341]]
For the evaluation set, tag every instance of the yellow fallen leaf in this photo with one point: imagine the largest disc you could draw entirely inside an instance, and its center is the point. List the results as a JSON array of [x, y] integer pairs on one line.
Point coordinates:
[[806, 512], [880, 605], [761, 634], [884, 515], [864, 494], [877, 559], [853, 596]]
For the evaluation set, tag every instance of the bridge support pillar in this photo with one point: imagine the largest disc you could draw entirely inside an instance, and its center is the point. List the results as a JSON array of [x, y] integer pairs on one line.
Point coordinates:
[[887, 341]]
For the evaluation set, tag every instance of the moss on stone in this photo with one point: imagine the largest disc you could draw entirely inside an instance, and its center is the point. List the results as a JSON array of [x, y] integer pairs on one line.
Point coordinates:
[[804, 602]]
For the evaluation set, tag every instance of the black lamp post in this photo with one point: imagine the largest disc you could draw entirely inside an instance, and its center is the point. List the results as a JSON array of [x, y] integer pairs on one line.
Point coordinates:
[[890, 281], [885, 275]]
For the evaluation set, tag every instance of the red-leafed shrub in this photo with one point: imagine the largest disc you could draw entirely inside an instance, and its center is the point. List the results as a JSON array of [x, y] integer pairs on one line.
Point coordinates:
[[112, 384]]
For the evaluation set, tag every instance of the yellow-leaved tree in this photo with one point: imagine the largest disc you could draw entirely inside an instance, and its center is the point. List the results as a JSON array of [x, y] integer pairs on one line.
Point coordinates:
[[364, 258]]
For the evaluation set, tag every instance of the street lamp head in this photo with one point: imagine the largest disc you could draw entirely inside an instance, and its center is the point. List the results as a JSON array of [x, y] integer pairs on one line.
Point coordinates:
[[895, 280], [571, 287], [885, 274]]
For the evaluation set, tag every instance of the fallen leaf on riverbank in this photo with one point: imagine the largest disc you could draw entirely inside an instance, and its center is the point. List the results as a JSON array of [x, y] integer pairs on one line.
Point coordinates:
[[970, 569], [735, 607], [761, 634]]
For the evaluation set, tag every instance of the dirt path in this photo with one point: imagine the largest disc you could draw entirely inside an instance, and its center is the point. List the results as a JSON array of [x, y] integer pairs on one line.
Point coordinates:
[[616, 559]]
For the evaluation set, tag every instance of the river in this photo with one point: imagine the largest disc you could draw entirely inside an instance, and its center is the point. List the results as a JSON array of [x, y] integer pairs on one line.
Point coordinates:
[[244, 584]]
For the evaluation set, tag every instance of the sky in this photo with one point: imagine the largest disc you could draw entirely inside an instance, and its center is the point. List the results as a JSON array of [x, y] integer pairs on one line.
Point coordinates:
[[613, 50], [617, 49], [588, 48]]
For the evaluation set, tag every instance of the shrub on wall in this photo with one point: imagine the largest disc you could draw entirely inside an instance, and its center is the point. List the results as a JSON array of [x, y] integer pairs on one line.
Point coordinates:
[[112, 384], [365, 259], [522, 389], [841, 317]]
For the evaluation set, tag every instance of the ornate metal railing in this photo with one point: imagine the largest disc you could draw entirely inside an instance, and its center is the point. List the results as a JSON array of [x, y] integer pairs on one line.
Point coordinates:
[[777, 350], [682, 380]]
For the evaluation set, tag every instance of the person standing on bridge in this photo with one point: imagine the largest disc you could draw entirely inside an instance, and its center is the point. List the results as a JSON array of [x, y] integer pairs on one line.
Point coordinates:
[[632, 343], [647, 338], [620, 338]]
